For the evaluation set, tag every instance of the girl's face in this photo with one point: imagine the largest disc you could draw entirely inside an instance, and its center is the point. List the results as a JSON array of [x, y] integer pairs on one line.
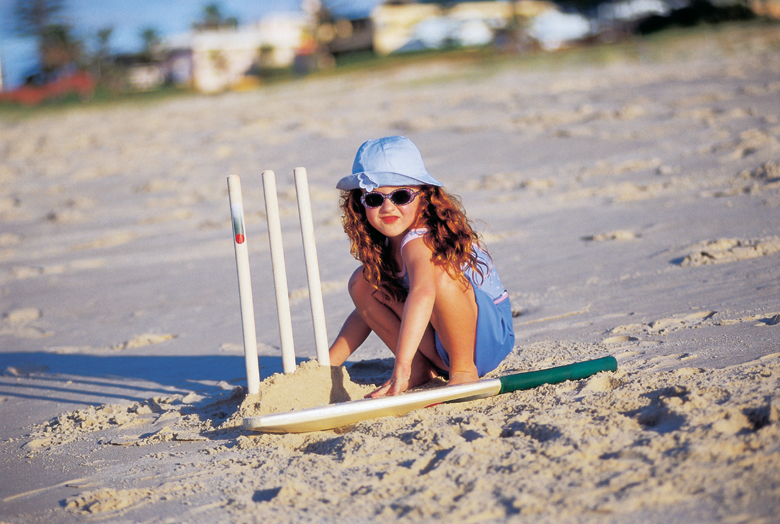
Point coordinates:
[[390, 219]]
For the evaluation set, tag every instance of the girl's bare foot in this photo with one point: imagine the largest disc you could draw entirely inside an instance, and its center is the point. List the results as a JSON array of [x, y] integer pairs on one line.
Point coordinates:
[[462, 377]]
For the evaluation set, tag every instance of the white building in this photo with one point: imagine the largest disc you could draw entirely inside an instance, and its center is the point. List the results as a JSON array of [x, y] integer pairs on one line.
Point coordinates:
[[412, 25], [221, 58]]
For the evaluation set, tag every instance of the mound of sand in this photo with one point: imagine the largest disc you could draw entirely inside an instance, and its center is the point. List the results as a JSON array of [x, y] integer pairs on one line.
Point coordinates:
[[727, 250], [310, 385]]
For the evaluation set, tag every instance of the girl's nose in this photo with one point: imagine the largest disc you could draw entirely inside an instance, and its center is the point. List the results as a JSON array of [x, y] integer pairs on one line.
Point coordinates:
[[387, 205]]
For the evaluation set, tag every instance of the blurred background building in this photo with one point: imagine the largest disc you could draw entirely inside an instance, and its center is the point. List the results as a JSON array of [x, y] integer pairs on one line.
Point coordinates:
[[144, 44]]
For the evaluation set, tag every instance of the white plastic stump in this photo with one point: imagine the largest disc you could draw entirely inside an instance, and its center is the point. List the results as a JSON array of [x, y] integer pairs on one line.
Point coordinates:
[[312, 265], [244, 285], [279, 270]]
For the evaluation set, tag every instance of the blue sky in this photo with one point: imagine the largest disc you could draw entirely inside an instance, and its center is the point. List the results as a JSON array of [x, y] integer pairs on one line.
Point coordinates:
[[130, 17]]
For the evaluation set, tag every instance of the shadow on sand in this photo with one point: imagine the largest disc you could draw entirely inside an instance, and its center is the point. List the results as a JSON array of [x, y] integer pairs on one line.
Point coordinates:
[[80, 379]]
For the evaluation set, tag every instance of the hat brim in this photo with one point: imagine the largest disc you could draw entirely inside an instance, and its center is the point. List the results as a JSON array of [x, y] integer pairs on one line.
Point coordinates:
[[372, 180]]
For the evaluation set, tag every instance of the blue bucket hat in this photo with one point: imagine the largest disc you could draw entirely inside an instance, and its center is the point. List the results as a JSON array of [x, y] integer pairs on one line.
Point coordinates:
[[390, 161]]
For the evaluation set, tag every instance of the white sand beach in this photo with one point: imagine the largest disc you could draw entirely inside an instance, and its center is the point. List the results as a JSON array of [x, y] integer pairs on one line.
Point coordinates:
[[630, 198]]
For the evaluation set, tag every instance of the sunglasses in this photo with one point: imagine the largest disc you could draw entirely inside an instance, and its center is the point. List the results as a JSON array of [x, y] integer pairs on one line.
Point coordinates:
[[399, 197]]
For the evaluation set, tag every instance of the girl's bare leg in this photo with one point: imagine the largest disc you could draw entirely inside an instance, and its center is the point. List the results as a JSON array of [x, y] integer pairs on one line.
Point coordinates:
[[353, 333], [454, 318], [383, 317]]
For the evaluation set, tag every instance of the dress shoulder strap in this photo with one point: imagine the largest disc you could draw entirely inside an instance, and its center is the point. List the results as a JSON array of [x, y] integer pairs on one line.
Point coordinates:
[[412, 234]]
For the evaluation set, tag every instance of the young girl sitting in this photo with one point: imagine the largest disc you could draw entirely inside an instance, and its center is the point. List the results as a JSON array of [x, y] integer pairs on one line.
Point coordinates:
[[426, 287]]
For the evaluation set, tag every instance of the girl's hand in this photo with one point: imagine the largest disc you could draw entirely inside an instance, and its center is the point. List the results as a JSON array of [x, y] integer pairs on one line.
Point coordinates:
[[397, 384]]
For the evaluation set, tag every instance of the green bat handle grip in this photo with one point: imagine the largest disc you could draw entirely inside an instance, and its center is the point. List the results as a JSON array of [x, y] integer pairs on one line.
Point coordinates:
[[555, 375]]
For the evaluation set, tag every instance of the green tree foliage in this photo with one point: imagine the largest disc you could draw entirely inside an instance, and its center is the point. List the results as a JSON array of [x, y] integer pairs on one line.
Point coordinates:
[[151, 42], [101, 59], [59, 48], [214, 19], [34, 16], [42, 19]]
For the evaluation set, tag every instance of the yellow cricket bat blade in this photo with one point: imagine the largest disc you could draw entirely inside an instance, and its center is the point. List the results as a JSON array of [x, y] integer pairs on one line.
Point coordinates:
[[336, 415]]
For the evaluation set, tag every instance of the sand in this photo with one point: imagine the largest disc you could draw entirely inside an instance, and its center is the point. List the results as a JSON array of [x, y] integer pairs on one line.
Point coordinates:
[[629, 195]]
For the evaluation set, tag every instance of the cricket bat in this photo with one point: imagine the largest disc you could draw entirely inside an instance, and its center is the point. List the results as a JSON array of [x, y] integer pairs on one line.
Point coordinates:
[[337, 415]]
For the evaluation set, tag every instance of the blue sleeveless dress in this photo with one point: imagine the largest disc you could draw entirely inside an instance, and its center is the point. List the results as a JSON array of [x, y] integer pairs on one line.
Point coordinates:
[[495, 333]]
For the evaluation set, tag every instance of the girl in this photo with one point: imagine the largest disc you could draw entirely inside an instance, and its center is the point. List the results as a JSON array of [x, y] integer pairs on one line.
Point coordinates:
[[426, 287]]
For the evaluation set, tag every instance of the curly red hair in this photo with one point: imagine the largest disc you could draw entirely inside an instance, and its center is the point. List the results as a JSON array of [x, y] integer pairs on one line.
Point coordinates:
[[450, 237]]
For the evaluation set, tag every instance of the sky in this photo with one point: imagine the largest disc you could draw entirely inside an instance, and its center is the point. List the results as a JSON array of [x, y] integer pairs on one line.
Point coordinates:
[[130, 17]]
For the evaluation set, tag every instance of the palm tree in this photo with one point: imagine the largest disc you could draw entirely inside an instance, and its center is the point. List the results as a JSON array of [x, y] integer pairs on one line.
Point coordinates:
[[57, 47], [103, 52], [151, 42], [33, 16], [214, 19]]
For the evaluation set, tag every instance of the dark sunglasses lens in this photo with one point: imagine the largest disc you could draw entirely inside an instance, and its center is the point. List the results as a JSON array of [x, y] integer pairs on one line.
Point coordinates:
[[373, 199], [401, 197]]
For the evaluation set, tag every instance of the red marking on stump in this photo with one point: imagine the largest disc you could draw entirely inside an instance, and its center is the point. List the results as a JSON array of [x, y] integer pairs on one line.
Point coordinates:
[[240, 238]]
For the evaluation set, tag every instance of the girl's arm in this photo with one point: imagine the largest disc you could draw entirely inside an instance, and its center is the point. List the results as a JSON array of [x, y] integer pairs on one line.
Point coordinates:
[[416, 314], [354, 332]]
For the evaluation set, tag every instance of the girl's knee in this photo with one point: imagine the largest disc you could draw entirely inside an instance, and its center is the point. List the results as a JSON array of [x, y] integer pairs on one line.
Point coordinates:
[[358, 286], [453, 297]]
